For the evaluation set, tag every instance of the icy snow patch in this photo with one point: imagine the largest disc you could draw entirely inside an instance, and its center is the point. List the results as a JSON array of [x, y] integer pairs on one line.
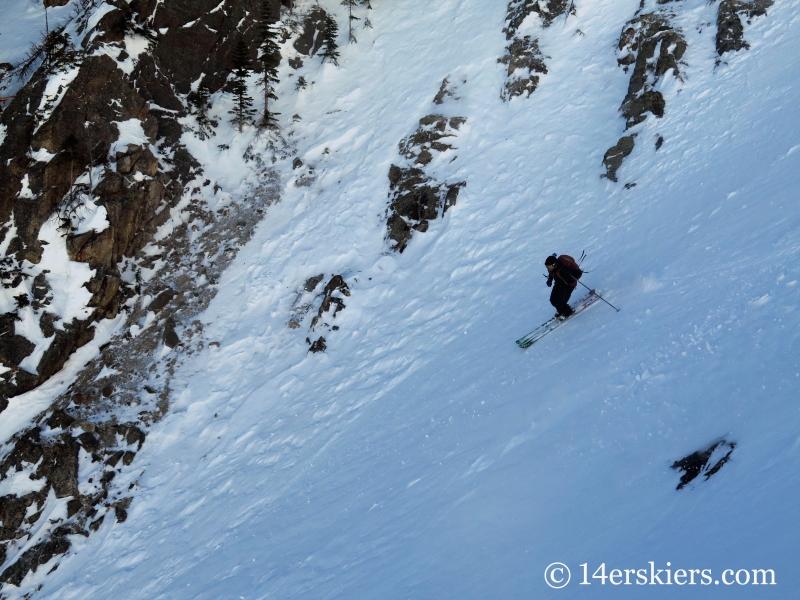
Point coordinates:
[[42, 155], [26, 191], [131, 133], [20, 482], [66, 277], [93, 218]]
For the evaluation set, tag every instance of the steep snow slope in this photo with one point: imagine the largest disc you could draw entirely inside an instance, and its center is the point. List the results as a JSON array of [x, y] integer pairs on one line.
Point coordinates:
[[424, 455]]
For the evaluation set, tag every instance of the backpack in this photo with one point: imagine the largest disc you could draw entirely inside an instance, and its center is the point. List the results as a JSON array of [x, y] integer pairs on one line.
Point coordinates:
[[567, 261]]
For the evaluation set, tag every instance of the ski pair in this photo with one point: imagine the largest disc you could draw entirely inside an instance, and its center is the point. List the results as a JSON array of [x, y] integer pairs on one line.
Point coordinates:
[[552, 323]]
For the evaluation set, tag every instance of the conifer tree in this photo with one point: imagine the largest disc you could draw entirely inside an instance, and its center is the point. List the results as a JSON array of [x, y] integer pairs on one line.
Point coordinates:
[[330, 51], [367, 22], [270, 58], [350, 4], [243, 110], [200, 103]]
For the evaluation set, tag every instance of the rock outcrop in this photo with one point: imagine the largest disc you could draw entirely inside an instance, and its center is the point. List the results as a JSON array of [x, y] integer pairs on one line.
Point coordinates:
[[91, 166], [524, 59], [730, 30], [650, 47], [415, 197]]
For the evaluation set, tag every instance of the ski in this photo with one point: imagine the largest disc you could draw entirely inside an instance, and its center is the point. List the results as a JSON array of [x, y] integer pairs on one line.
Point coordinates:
[[554, 322]]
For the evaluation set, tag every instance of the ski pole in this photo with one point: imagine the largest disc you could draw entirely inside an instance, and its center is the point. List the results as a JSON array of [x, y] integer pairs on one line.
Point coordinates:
[[599, 296]]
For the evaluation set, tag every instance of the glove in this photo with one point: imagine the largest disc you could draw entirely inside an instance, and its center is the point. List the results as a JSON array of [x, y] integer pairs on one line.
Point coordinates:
[[549, 282]]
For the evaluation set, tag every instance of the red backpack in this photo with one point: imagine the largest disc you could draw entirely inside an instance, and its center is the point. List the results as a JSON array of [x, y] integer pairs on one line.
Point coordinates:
[[567, 261]]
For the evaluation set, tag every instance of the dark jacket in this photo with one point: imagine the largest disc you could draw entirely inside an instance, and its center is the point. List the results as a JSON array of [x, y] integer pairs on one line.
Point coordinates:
[[566, 271]]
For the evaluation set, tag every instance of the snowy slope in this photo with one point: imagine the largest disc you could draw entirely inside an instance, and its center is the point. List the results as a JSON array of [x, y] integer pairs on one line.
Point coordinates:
[[424, 455]]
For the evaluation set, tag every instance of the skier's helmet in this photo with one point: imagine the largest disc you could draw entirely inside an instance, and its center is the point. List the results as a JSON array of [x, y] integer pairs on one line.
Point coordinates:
[[550, 260]]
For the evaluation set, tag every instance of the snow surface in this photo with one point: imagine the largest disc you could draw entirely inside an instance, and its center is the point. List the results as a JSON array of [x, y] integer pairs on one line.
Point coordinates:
[[23, 21], [424, 455]]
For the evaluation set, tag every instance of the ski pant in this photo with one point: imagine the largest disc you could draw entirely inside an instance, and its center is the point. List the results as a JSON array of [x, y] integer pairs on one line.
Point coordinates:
[[559, 298]]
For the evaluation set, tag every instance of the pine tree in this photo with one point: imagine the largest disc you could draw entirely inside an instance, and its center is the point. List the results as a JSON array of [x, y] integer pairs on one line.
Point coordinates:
[[367, 22], [331, 51], [350, 4], [270, 58], [243, 110], [200, 103]]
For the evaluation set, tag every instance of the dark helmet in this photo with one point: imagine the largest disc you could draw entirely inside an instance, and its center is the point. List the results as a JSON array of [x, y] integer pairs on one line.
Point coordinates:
[[550, 260]]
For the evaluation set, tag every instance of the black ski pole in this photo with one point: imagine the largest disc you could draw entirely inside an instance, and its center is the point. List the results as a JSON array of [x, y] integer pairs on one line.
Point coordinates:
[[599, 296]]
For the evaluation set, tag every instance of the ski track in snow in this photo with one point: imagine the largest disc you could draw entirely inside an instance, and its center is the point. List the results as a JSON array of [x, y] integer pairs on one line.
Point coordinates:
[[424, 455]]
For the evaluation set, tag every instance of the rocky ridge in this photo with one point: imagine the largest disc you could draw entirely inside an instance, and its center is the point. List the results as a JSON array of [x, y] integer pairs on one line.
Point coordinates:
[[651, 46]]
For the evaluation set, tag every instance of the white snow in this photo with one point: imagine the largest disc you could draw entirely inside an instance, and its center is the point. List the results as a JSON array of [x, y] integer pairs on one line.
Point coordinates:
[[20, 482], [91, 218], [24, 22], [424, 455], [66, 277], [131, 133], [26, 191]]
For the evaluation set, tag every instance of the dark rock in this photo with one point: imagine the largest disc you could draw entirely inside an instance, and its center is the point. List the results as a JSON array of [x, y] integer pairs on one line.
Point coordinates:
[[96, 524], [443, 92], [161, 300], [310, 40], [171, 338], [548, 10], [60, 465], [616, 154], [13, 510], [697, 463], [128, 457], [73, 506], [121, 514], [297, 163], [60, 420], [414, 198], [730, 31], [659, 142], [47, 323], [13, 348], [523, 55], [312, 282], [115, 458], [34, 557], [135, 436], [318, 345], [336, 284]]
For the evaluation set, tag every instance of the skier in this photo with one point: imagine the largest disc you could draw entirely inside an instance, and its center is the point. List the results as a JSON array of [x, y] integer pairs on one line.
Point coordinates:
[[565, 272]]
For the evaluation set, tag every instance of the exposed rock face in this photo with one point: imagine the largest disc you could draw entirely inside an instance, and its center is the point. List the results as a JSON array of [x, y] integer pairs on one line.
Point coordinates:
[[101, 128], [641, 38], [416, 198], [523, 57], [432, 130], [108, 85], [616, 154], [51, 454], [704, 462], [652, 47], [548, 10], [730, 31], [311, 38], [524, 60]]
